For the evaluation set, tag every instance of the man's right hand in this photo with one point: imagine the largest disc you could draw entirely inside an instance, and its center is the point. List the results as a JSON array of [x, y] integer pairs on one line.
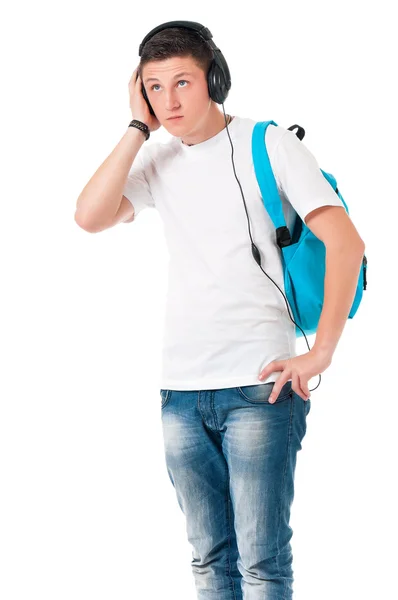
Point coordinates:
[[138, 104]]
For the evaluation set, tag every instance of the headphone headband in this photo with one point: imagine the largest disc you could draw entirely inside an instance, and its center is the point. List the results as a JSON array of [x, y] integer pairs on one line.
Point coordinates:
[[201, 29]]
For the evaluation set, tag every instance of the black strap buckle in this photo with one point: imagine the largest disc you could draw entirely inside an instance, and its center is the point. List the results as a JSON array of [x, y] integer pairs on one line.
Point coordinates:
[[283, 237]]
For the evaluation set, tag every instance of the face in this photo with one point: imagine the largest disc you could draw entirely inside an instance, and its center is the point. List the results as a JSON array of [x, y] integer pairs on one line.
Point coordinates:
[[171, 93]]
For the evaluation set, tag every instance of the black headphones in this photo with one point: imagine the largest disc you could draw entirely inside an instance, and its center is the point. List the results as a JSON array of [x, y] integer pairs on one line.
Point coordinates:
[[219, 84]]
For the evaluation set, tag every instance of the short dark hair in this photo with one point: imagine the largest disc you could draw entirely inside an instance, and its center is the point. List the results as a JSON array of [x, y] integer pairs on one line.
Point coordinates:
[[177, 41]]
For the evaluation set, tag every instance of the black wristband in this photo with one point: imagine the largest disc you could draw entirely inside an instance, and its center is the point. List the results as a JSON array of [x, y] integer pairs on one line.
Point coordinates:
[[141, 126]]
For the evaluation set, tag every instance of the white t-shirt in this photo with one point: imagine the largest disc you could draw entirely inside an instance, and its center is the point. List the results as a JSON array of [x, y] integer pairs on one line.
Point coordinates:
[[224, 320]]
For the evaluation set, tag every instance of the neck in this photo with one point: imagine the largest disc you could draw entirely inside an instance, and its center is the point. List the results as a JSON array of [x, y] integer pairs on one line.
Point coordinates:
[[204, 131]]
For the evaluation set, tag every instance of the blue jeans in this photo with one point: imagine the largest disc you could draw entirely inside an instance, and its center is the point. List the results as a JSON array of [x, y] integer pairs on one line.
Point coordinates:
[[231, 457]]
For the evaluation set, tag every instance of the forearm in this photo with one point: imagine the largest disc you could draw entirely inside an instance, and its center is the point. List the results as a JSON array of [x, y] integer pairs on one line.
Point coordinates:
[[101, 197], [343, 266]]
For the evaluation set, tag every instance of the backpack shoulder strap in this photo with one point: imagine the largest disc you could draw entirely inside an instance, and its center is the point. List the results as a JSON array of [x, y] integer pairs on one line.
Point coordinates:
[[265, 175]]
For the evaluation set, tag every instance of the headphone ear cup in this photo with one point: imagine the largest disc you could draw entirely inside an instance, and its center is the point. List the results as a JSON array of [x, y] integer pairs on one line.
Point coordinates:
[[146, 100], [216, 83], [144, 92]]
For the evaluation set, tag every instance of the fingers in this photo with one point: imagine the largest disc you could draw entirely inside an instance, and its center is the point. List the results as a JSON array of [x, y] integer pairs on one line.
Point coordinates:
[[278, 385], [275, 365], [298, 387], [135, 76], [301, 389]]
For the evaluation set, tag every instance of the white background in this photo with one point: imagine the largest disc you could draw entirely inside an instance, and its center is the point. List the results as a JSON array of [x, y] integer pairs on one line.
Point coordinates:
[[87, 510]]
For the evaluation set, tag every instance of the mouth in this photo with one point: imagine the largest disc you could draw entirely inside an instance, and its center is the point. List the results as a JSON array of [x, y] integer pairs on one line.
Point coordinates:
[[172, 118]]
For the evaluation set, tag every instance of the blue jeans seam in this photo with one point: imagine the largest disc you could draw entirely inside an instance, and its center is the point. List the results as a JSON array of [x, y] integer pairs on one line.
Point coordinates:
[[212, 392], [282, 493], [229, 536]]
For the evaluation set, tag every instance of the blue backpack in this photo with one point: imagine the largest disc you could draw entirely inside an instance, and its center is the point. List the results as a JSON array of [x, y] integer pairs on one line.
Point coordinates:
[[303, 254]]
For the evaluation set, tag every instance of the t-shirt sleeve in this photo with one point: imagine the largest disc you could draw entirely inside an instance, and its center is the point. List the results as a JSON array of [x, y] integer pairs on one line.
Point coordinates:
[[298, 175], [136, 188]]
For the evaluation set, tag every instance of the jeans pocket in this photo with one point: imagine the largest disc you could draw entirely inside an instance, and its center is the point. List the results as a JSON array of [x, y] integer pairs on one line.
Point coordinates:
[[260, 393], [165, 397]]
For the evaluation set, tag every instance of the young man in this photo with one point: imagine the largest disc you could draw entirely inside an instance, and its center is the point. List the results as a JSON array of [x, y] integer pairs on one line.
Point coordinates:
[[230, 450]]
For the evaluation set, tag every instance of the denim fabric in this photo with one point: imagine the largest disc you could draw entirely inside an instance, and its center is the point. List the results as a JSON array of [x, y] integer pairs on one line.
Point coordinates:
[[231, 457]]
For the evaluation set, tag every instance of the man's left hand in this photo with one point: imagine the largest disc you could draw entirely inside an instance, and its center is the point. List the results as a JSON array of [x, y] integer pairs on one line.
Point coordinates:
[[299, 369]]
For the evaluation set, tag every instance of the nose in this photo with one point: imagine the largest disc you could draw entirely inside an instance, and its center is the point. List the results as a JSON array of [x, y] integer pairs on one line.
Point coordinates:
[[172, 102]]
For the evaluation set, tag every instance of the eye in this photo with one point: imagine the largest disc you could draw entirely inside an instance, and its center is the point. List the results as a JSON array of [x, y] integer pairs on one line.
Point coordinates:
[[178, 82]]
